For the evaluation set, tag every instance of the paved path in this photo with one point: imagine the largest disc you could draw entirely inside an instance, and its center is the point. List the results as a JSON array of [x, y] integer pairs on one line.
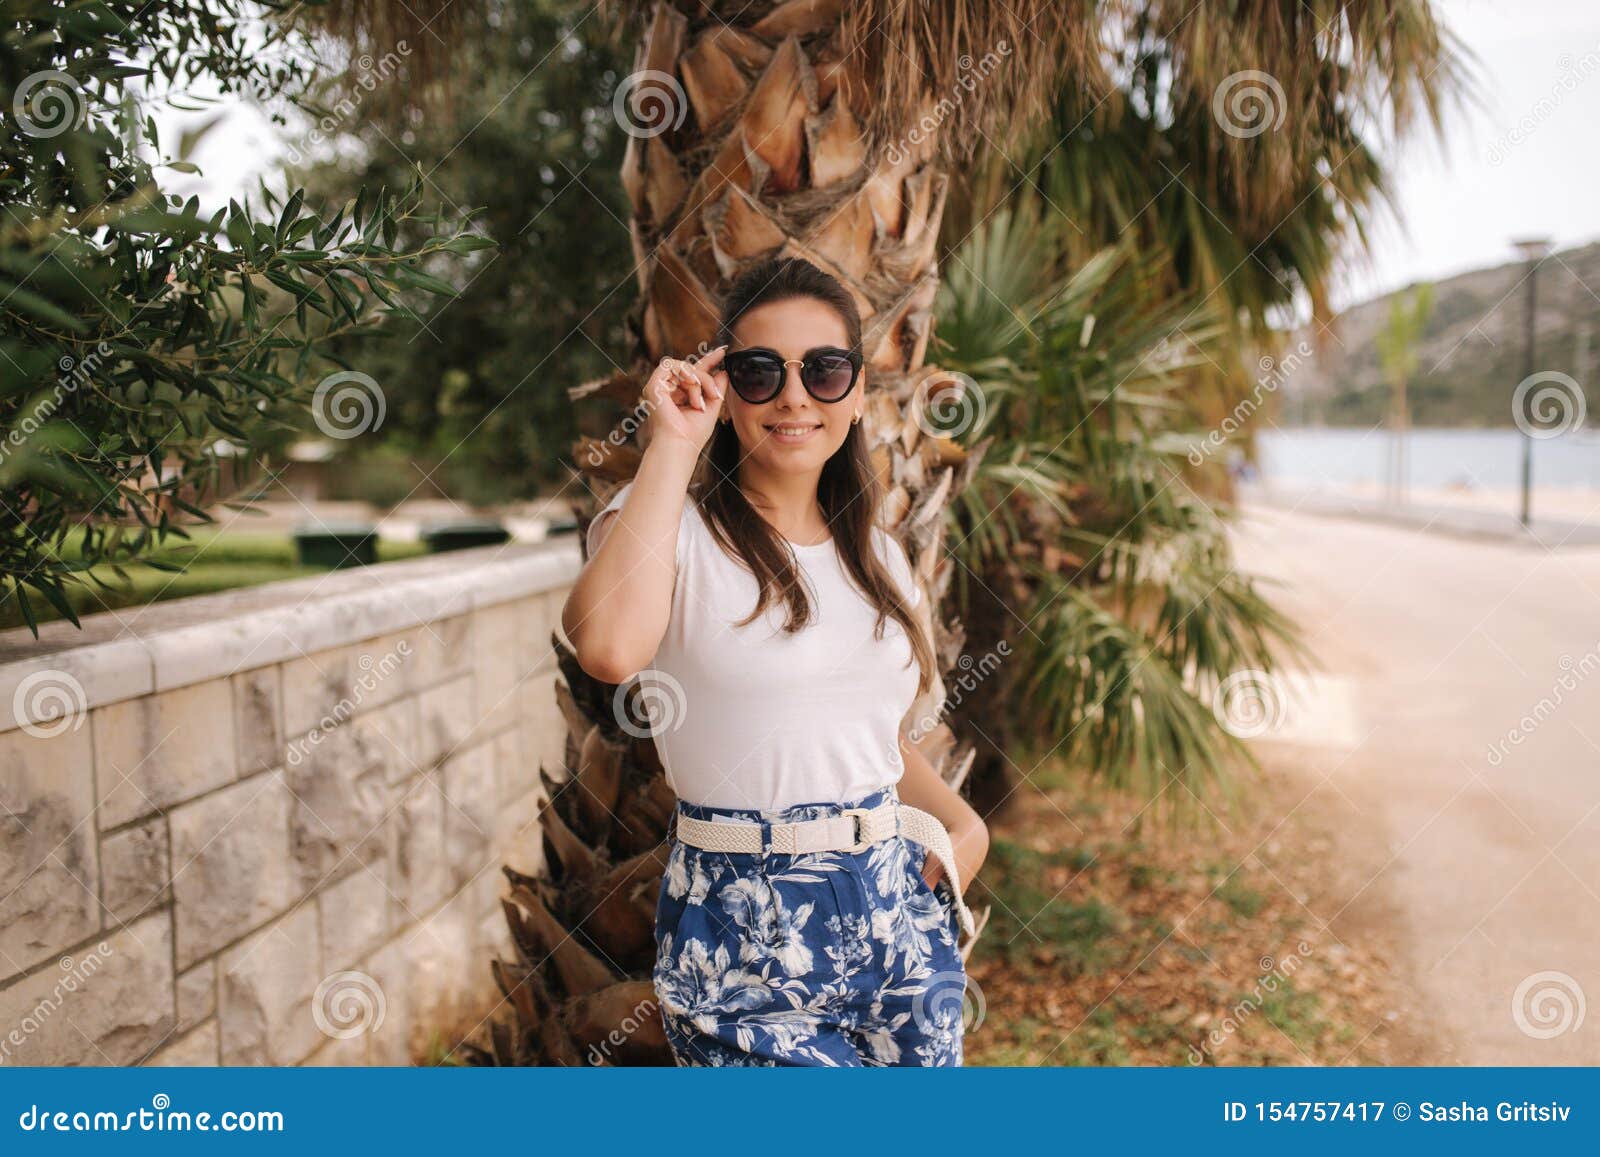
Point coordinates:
[[1543, 530], [1441, 723]]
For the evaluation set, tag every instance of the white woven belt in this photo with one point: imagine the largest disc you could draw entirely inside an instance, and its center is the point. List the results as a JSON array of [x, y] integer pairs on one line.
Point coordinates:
[[849, 830]]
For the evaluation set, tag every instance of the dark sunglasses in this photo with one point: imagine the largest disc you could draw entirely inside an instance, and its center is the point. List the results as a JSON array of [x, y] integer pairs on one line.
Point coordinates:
[[757, 374]]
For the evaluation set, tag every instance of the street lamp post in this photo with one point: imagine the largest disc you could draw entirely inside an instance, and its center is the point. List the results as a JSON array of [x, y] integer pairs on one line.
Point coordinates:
[[1534, 250]]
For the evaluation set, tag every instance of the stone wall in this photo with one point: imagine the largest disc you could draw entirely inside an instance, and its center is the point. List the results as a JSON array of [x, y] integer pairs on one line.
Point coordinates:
[[266, 826]]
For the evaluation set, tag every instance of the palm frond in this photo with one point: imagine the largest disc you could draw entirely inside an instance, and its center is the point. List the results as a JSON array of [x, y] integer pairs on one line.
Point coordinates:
[[1121, 598]]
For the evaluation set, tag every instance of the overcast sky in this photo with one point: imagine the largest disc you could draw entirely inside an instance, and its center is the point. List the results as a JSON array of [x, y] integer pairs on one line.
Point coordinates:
[[1525, 160]]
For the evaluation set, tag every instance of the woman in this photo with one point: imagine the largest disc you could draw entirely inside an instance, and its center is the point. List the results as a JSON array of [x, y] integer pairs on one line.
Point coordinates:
[[798, 922]]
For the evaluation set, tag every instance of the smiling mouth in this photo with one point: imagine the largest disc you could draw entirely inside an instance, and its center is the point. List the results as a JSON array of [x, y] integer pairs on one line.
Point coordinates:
[[790, 430]]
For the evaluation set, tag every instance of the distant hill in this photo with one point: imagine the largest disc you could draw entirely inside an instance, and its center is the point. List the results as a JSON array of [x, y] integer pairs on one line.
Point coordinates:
[[1472, 350]]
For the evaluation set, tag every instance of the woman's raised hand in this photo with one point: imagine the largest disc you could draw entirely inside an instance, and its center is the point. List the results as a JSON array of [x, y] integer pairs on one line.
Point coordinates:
[[685, 397]]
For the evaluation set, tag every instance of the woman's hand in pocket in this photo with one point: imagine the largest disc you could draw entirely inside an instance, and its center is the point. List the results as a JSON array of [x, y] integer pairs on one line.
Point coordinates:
[[971, 843]]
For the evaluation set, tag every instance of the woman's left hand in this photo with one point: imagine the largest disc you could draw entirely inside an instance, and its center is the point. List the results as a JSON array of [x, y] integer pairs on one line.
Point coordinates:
[[971, 843]]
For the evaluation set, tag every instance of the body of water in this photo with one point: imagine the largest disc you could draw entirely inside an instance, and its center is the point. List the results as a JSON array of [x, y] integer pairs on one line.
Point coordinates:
[[1479, 459]]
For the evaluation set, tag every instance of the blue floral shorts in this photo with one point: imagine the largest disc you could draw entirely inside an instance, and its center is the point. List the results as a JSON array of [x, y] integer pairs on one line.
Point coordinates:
[[814, 958]]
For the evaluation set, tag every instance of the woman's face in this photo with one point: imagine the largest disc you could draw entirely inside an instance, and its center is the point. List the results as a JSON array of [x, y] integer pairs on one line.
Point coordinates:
[[793, 431]]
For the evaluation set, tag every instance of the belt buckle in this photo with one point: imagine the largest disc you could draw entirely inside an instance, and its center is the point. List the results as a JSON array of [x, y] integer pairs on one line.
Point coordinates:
[[862, 843]]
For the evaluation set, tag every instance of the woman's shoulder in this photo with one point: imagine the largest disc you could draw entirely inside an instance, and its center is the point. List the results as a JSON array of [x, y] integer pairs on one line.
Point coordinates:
[[620, 495], [689, 524]]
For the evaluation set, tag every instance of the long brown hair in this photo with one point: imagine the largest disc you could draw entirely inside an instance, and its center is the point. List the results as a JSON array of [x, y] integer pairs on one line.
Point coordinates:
[[848, 491]]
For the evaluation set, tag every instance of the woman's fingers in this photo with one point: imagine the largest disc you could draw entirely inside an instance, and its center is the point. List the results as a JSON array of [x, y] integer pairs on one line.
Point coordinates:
[[702, 371], [691, 384], [687, 383], [712, 366], [683, 381], [658, 390]]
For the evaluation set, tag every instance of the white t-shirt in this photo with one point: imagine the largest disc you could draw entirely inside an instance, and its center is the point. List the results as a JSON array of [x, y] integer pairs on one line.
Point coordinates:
[[753, 718]]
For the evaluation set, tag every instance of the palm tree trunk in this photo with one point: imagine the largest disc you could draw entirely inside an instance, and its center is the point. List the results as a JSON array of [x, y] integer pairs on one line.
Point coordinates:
[[748, 141]]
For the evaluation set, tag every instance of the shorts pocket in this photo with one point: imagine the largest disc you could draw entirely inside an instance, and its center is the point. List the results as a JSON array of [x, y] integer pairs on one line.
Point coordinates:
[[918, 860], [940, 892]]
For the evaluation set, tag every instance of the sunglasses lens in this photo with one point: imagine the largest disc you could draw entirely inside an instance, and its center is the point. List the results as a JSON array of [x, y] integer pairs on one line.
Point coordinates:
[[829, 376], [754, 376]]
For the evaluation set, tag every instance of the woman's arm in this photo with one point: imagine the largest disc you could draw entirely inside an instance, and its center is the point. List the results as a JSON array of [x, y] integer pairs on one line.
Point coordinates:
[[618, 610], [922, 787]]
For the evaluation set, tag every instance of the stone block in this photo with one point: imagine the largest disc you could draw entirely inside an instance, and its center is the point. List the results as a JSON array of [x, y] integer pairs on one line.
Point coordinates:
[[389, 1043], [108, 1003], [496, 648], [470, 811], [316, 691], [419, 874], [198, 1048], [381, 669], [443, 651], [445, 717], [518, 837], [266, 985], [49, 861], [133, 870], [541, 618], [230, 863], [197, 995], [159, 750], [342, 798], [355, 914], [543, 735], [340, 1052], [258, 718]]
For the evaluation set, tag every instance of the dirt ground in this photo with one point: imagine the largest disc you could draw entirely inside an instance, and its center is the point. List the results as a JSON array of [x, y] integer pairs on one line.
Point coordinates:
[[1108, 945], [1427, 824]]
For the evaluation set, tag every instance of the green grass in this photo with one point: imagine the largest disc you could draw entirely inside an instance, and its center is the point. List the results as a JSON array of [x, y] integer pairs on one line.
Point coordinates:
[[1104, 1038], [438, 1053], [1090, 966], [211, 560], [1244, 900], [1297, 1015], [1034, 921]]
